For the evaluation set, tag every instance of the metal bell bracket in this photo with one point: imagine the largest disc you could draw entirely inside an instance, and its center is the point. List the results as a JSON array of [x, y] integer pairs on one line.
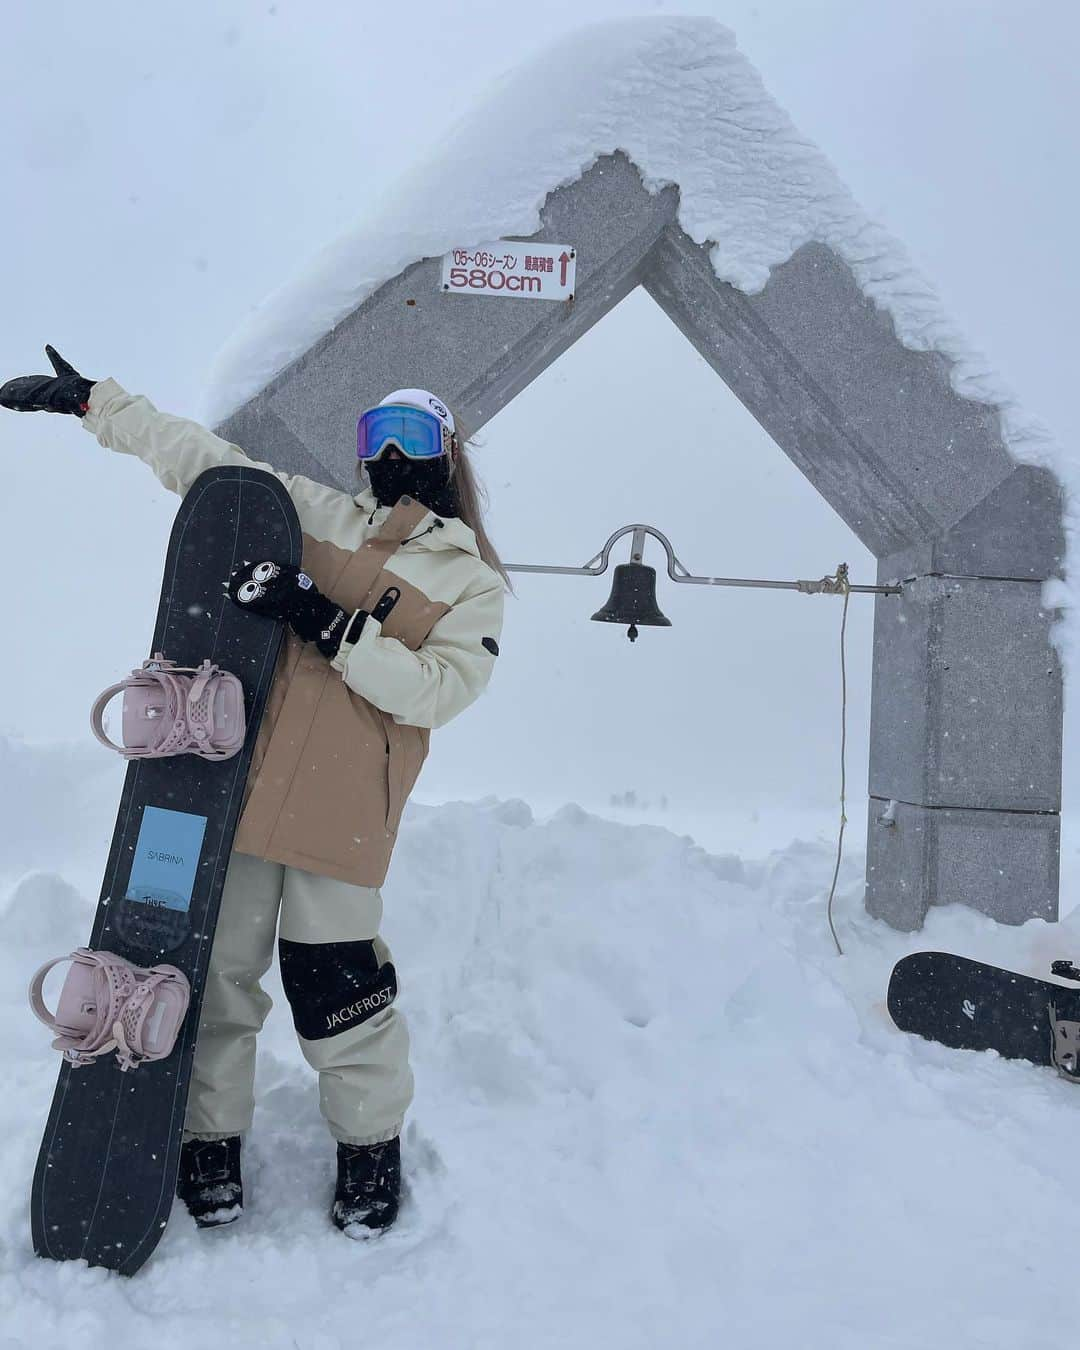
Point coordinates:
[[836, 584]]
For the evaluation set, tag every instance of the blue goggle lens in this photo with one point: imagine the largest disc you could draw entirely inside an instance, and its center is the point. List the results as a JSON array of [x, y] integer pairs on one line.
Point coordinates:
[[416, 433]]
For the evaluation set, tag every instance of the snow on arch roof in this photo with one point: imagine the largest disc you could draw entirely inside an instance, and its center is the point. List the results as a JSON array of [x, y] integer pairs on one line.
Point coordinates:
[[677, 96], [687, 108]]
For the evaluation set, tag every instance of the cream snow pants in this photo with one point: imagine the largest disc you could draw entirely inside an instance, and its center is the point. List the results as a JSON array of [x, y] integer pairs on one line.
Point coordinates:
[[340, 984]]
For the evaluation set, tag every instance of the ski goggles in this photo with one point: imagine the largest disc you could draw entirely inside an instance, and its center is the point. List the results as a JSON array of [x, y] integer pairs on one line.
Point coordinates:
[[416, 433]]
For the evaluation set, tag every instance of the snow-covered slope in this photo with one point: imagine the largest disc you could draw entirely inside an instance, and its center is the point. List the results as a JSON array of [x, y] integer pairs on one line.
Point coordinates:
[[653, 1109]]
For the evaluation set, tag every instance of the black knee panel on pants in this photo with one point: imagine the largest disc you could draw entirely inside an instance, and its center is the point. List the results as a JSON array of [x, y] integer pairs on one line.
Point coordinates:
[[333, 986]]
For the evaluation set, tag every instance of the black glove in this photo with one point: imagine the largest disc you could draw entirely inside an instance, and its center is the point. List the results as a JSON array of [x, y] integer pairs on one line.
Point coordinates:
[[282, 591], [66, 392]]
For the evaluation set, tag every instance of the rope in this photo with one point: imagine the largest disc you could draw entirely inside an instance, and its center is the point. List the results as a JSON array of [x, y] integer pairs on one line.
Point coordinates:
[[838, 585]]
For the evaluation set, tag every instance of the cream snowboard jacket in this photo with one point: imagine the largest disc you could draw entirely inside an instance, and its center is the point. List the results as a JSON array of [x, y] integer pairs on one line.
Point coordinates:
[[340, 747]]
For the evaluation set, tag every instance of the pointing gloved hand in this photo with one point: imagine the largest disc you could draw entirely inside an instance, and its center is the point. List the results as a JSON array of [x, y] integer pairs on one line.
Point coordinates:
[[65, 392], [282, 591]]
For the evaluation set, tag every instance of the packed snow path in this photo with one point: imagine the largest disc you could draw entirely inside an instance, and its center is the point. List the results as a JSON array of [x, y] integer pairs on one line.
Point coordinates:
[[654, 1109]]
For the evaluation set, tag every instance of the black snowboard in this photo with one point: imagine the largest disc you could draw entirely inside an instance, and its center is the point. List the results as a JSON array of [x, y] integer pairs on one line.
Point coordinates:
[[969, 1006], [107, 1168]]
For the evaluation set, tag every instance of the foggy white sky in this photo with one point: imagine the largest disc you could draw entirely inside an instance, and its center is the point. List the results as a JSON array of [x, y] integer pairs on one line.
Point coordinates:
[[165, 170]]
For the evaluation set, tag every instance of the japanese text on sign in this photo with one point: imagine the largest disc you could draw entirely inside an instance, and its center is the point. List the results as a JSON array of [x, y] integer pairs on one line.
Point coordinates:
[[519, 271]]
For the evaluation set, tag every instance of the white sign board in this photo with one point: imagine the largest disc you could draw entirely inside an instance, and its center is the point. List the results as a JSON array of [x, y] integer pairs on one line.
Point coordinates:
[[514, 270]]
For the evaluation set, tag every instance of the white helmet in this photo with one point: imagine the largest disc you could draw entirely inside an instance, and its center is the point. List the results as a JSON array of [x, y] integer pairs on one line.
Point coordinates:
[[421, 398]]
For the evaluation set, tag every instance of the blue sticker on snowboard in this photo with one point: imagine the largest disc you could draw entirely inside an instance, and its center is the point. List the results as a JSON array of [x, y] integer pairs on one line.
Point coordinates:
[[166, 859]]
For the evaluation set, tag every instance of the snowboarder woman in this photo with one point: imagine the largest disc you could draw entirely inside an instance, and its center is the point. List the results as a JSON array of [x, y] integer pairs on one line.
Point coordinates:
[[394, 626]]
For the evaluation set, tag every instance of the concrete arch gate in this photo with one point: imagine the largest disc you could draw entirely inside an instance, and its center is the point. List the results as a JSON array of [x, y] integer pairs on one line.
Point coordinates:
[[966, 717]]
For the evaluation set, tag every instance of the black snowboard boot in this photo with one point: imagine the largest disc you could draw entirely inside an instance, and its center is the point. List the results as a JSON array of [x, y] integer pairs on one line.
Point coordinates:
[[368, 1188], [209, 1181]]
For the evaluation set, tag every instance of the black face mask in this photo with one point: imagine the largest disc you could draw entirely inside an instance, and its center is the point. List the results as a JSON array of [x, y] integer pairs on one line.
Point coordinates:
[[425, 479]]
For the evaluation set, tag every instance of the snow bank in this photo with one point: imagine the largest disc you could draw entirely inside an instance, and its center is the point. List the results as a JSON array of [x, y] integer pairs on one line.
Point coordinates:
[[653, 1109]]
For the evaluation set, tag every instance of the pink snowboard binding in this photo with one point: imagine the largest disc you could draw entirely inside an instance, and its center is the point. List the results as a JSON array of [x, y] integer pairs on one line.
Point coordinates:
[[108, 1003], [176, 710]]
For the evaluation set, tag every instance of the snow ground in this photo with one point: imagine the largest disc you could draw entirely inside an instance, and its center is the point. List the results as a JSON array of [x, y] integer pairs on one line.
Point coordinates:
[[654, 1108]]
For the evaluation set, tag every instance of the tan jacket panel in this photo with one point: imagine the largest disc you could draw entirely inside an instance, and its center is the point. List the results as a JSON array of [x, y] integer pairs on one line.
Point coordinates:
[[341, 745]]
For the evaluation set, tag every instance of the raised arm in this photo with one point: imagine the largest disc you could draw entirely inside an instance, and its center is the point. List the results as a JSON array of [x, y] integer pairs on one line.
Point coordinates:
[[178, 450]]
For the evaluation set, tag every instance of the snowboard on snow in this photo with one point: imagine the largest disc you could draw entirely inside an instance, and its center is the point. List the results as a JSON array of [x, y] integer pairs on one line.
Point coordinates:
[[107, 1169], [970, 1006]]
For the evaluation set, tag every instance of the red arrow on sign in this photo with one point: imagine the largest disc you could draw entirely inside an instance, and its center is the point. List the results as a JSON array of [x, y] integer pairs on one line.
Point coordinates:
[[564, 258]]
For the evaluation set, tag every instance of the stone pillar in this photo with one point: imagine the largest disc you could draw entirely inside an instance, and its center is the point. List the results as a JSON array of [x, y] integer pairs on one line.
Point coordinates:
[[965, 739]]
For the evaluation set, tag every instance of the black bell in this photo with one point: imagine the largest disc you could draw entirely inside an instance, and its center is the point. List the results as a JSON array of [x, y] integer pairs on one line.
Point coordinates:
[[633, 599]]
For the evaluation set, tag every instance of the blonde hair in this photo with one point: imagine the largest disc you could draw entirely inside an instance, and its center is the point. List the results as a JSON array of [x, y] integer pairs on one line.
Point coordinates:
[[472, 501]]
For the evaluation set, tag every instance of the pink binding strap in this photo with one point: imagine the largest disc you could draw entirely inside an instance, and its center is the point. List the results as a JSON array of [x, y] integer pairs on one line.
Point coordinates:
[[175, 710], [108, 1003]]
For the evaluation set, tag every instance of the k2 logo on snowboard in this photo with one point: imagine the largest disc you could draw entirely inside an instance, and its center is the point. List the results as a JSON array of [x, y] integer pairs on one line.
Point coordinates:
[[969, 1009]]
